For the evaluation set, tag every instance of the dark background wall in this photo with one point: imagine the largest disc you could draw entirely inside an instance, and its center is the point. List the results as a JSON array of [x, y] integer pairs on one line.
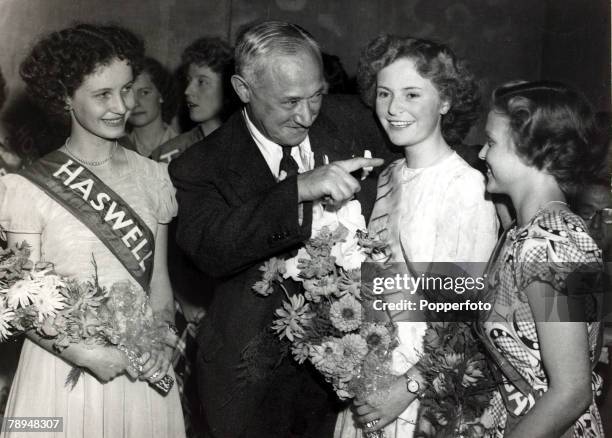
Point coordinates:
[[503, 39]]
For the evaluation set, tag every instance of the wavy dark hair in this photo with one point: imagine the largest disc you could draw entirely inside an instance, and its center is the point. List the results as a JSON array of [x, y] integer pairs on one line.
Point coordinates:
[[165, 83], [218, 55], [59, 62], [553, 128], [433, 61]]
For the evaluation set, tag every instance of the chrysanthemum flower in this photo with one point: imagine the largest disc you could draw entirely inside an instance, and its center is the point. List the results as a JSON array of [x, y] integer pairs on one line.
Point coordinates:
[[350, 282], [6, 316], [326, 357], [263, 287], [300, 351], [20, 294], [452, 360], [273, 269], [316, 267], [48, 301], [473, 372], [355, 348], [345, 314], [322, 287], [376, 335], [292, 318]]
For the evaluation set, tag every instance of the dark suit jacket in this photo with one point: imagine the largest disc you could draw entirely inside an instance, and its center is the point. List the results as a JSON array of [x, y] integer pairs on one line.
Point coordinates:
[[233, 216]]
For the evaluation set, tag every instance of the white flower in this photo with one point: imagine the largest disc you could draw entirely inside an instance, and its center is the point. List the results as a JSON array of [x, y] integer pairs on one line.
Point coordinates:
[[350, 216], [6, 316], [291, 265], [349, 255], [48, 300], [322, 218], [21, 294]]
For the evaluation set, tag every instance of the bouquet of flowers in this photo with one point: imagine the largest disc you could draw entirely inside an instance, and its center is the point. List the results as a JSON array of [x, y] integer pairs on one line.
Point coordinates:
[[325, 323], [462, 385], [33, 297]]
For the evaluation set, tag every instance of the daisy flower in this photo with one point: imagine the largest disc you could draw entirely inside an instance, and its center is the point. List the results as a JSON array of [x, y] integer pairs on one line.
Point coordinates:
[[292, 317], [21, 294], [345, 314], [6, 316], [48, 301]]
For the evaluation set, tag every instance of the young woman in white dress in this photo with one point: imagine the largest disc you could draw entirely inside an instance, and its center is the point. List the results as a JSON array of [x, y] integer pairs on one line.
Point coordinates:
[[430, 204], [86, 72]]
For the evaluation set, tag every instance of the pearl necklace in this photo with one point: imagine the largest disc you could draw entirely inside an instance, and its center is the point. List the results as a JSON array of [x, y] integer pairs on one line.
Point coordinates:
[[90, 163]]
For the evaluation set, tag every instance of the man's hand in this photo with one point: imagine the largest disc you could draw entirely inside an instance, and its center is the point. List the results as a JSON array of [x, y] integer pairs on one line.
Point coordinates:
[[333, 180]]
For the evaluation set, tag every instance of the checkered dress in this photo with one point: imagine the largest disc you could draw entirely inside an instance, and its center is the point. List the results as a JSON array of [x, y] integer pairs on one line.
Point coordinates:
[[552, 247]]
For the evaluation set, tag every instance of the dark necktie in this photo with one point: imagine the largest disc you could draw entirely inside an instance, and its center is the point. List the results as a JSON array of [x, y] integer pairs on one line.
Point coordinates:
[[287, 163]]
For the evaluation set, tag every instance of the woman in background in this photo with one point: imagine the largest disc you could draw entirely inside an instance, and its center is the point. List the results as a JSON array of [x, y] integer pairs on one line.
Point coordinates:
[[155, 106], [430, 204], [86, 72], [542, 333], [207, 66]]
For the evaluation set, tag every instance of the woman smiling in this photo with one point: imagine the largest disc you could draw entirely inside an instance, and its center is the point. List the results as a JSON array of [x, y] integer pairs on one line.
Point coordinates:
[[86, 72]]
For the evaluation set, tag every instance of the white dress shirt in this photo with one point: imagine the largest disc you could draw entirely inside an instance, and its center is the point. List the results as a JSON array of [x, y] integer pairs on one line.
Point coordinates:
[[273, 153]]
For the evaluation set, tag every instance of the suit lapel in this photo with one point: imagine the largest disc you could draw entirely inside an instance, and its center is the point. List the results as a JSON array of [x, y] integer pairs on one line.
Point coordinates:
[[248, 168]]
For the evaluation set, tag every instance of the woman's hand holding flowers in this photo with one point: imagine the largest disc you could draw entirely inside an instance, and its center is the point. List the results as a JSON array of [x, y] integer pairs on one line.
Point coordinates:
[[105, 363], [386, 410], [155, 364]]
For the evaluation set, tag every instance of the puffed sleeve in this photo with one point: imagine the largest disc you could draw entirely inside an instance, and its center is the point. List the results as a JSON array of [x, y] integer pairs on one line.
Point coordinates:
[[469, 230], [20, 210], [167, 205], [556, 247]]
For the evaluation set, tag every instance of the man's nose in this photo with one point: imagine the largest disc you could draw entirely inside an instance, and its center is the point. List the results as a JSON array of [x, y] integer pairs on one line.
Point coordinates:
[[305, 114]]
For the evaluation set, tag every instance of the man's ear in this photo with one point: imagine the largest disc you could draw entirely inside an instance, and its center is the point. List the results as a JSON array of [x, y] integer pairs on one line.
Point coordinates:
[[242, 88]]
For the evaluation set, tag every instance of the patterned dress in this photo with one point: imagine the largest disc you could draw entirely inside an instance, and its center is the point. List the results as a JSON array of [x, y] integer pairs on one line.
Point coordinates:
[[553, 246]]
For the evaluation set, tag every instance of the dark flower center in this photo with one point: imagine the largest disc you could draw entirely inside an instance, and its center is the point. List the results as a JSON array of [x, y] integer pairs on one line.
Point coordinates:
[[374, 339], [348, 313]]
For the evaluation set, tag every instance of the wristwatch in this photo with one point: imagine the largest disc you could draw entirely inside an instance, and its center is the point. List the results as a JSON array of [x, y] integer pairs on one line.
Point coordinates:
[[413, 386]]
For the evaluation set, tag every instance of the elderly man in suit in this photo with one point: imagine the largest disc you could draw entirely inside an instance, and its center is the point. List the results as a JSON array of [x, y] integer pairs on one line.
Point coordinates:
[[245, 195]]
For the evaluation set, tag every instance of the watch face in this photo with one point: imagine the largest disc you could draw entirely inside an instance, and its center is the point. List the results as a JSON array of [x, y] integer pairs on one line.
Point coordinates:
[[413, 386]]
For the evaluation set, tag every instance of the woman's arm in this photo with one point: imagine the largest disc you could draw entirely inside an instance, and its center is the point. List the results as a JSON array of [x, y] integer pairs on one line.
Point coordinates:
[[565, 355], [162, 299], [156, 364], [104, 362], [399, 398]]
